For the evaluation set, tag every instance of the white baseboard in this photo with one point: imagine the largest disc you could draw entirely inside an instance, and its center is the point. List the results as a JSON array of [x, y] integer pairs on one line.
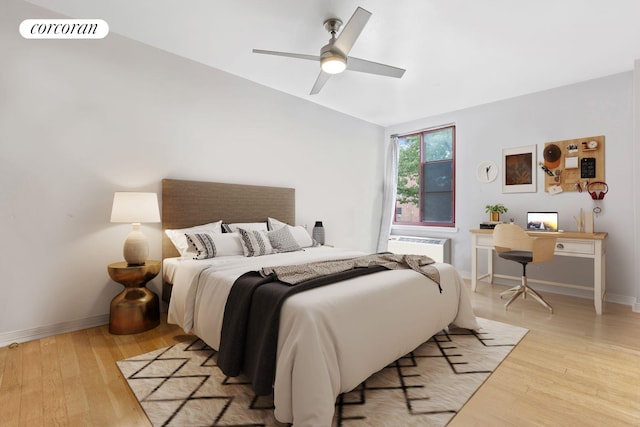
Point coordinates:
[[614, 298], [622, 299], [24, 335]]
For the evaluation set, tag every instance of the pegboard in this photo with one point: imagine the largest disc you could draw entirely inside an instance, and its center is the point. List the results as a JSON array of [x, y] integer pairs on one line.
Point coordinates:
[[570, 163]]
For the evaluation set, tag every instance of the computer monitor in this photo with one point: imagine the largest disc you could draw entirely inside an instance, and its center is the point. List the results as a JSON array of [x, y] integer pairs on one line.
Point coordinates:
[[542, 221]]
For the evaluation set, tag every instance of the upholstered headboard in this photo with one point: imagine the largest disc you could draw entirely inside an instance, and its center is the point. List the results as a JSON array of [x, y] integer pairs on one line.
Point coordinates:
[[189, 203]]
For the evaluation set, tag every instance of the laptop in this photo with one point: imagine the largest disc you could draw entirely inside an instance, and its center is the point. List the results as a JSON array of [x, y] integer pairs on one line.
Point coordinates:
[[542, 221]]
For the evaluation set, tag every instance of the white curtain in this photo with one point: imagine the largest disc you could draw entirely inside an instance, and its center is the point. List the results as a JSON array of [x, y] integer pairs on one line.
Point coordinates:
[[390, 185]]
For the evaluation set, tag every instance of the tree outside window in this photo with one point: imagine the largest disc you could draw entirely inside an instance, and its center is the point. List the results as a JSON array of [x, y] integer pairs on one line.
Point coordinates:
[[426, 178]]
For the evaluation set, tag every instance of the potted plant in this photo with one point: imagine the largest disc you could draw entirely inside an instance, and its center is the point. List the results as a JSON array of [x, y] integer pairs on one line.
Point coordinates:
[[494, 211]]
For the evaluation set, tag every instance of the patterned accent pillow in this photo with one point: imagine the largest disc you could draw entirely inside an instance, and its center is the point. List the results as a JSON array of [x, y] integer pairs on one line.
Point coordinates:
[[255, 242], [282, 240], [202, 244], [177, 236]]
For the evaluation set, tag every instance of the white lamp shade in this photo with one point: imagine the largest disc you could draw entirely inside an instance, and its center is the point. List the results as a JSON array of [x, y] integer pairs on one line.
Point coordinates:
[[133, 207]]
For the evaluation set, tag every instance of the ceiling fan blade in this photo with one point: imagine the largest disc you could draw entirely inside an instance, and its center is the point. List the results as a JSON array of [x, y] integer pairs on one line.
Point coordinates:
[[320, 81], [291, 55], [364, 66], [352, 30]]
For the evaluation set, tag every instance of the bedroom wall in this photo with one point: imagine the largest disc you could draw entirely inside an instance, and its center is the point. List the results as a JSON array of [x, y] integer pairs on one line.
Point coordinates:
[[636, 178], [597, 107], [80, 119]]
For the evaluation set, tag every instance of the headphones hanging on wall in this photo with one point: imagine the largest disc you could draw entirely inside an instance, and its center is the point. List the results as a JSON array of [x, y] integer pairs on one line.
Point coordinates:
[[597, 194]]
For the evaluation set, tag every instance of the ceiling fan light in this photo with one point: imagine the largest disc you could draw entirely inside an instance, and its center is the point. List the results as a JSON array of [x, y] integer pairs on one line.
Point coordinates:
[[333, 64]]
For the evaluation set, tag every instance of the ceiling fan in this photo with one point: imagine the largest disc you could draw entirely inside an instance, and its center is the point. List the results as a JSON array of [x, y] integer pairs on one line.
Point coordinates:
[[334, 57]]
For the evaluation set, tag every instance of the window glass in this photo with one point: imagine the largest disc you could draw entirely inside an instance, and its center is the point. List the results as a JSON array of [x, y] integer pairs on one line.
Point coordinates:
[[438, 176], [408, 192], [438, 145], [438, 208]]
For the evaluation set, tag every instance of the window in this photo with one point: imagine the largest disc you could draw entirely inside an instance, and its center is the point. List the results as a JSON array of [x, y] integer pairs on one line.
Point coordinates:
[[426, 178]]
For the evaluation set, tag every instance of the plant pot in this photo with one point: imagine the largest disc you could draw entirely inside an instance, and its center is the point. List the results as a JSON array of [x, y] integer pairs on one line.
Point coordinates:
[[494, 216]]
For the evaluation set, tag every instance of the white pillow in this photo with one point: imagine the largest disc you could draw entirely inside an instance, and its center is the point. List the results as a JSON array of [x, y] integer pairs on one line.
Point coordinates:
[[255, 242], [179, 240], [231, 228], [209, 245], [302, 237], [274, 224]]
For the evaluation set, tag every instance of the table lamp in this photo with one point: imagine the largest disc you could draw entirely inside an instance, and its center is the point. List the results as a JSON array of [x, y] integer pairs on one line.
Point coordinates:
[[135, 208]]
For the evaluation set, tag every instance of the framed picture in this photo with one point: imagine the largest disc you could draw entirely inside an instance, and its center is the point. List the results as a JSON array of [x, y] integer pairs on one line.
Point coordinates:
[[519, 169]]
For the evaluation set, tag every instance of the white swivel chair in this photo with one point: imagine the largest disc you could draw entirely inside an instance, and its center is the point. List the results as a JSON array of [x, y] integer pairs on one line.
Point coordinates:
[[514, 244]]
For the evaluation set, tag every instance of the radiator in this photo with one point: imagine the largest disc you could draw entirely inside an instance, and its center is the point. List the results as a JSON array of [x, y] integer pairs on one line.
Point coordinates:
[[436, 248]]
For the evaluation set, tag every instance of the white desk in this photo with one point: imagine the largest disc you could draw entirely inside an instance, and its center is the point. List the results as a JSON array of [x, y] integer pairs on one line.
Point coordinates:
[[580, 245]]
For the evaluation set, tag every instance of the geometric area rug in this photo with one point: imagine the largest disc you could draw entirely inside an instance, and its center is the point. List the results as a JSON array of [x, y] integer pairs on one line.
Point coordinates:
[[181, 385]]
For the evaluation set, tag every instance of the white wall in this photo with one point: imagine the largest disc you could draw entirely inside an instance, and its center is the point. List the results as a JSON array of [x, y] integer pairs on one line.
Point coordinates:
[[597, 107], [636, 179], [82, 119]]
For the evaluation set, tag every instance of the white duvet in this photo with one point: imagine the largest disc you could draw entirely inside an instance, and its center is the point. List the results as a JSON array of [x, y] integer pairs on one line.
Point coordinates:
[[331, 338]]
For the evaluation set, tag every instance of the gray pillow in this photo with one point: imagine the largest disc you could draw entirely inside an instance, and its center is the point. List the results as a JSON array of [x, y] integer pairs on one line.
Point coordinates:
[[282, 240]]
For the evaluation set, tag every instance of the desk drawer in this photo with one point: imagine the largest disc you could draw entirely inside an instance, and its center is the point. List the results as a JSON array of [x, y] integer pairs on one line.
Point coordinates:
[[575, 246], [485, 240]]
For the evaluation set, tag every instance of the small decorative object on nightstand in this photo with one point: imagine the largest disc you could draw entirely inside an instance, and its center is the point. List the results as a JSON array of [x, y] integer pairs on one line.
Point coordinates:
[[136, 308], [318, 232]]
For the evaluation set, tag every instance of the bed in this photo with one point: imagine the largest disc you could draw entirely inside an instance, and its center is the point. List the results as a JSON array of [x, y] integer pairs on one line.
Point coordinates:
[[331, 338]]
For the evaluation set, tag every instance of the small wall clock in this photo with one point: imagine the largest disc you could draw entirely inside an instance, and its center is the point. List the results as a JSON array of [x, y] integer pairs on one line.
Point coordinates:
[[487, 171]]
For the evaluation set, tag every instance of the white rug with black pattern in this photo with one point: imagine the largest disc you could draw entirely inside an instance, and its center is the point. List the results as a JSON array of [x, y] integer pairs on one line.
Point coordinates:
[[182, 386]]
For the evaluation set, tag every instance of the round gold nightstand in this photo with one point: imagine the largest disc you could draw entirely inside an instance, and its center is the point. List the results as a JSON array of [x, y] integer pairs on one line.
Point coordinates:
[[136, 308]]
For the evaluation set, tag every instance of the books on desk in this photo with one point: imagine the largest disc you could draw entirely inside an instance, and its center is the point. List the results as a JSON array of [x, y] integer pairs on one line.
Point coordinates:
[[489, 225]]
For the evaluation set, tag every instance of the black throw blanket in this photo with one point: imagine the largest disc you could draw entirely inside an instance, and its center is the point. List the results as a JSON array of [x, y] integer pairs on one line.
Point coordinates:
[[249, 336]]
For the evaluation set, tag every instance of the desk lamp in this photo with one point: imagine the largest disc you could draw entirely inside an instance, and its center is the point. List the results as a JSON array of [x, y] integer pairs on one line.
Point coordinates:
[[135, 208]]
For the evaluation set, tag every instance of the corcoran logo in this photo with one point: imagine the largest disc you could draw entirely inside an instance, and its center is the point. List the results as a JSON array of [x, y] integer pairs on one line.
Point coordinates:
[[64, 29]]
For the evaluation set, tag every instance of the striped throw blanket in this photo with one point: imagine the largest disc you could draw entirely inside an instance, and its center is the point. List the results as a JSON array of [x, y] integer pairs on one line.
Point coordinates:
[[295, 274]]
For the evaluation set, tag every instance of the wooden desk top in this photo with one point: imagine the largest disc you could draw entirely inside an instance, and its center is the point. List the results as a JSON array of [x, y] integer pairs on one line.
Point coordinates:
[[558, 234]]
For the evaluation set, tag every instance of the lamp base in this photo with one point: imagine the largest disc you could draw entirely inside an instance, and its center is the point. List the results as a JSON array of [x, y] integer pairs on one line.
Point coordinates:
[[136, 246]]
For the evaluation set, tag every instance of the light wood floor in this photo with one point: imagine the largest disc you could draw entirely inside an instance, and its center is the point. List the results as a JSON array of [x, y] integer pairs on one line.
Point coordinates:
[[572, 369]]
